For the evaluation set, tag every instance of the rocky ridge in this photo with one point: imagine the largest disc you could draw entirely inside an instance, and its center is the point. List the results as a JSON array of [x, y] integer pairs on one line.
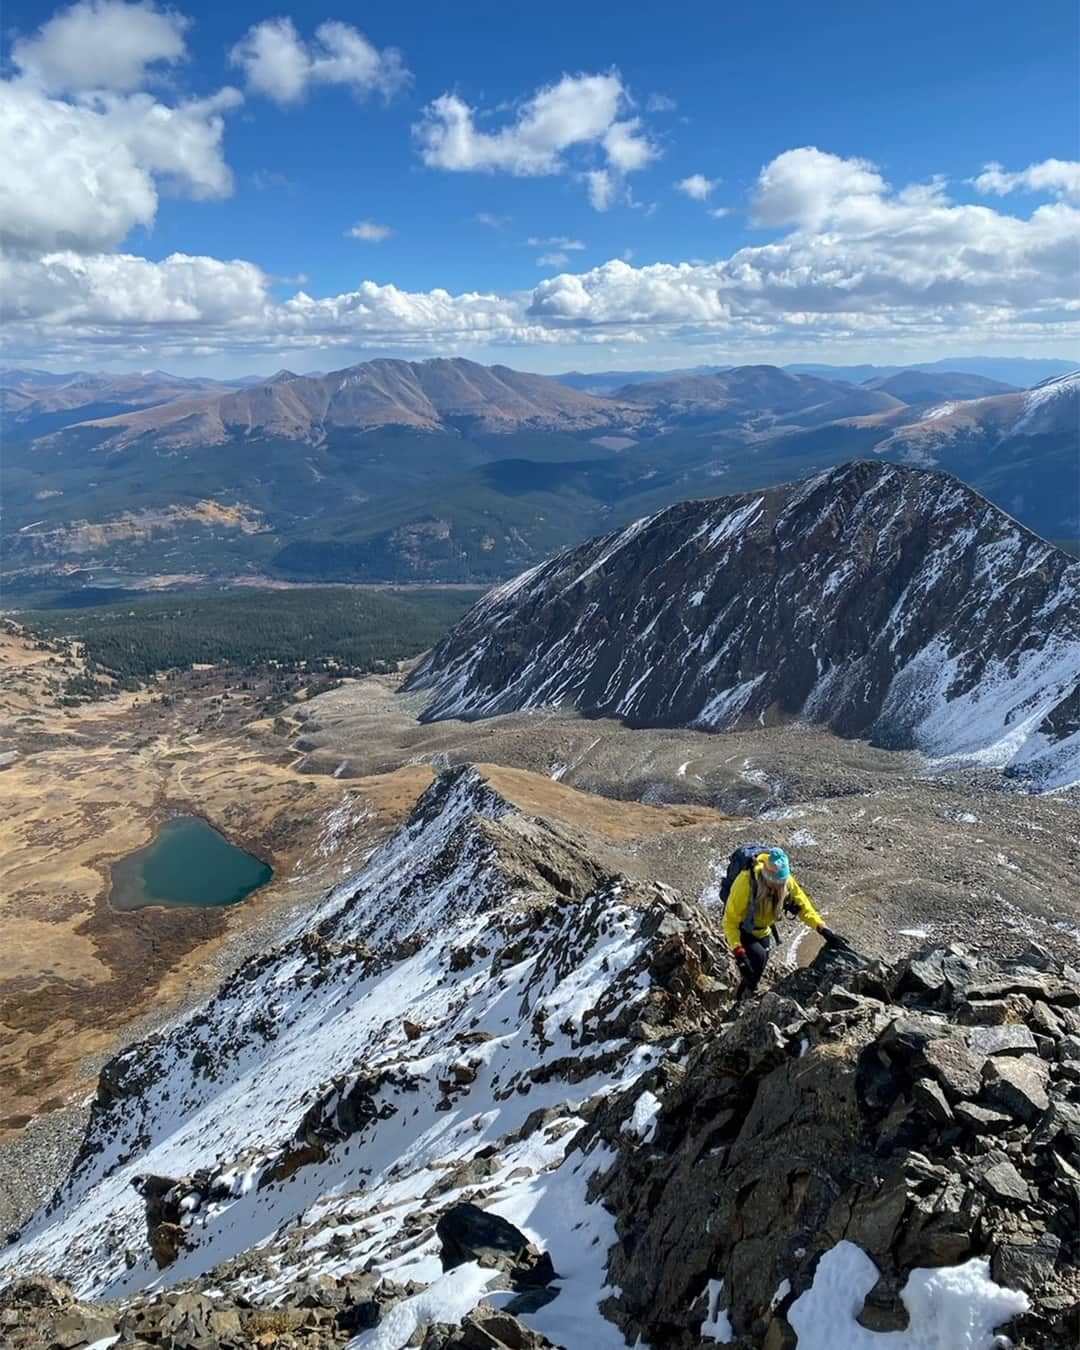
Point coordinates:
[[492, 1095], [885, 602]]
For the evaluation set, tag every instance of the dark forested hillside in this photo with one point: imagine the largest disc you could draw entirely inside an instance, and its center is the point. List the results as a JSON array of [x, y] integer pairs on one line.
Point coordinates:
[[333, 629]]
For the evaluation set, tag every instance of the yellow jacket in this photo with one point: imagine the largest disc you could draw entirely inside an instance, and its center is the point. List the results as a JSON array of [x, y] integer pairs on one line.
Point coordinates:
[[742, 911]]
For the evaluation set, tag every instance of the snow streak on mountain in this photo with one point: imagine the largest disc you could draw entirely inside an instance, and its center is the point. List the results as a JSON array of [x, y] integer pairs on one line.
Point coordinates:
[[477, 972], [887, 602]]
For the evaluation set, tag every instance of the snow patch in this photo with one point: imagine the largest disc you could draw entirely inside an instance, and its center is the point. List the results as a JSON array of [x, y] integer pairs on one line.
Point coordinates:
[[717, 1325], [951, 1308]]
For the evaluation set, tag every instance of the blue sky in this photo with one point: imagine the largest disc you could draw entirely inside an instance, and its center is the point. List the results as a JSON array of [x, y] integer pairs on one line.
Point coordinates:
[[835, 203]]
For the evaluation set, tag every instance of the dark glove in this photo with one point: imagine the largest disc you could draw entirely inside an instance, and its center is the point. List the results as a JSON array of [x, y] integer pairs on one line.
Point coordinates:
[[746, 970], [834, 940]]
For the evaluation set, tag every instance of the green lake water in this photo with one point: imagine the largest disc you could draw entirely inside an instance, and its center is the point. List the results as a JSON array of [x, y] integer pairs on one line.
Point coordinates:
[[188, 863]]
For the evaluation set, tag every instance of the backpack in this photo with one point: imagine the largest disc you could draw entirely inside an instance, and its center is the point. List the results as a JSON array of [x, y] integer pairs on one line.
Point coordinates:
[[742, 860]]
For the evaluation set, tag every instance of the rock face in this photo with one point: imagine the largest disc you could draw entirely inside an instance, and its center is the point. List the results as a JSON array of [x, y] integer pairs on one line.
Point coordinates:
[[886, 602], [490, 1096]]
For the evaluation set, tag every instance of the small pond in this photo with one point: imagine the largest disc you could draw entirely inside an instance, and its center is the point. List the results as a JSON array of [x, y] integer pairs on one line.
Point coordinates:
[[188, 863]]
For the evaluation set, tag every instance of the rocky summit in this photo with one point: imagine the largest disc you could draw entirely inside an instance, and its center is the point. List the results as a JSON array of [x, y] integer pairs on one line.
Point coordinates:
[[885, 602], [493, 1094]]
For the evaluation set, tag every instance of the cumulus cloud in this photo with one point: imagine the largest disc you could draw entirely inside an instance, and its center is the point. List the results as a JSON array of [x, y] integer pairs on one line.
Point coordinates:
[[279, 64], [101, 44], [806, 187], [859, 256], [884, 263], [1058, 176], [577, 112], [697, 187], [105, 290], [80, 175], [369, 232]]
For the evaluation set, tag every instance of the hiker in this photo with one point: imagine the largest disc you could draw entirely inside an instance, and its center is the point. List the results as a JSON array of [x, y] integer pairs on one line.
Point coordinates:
[[762, 885]]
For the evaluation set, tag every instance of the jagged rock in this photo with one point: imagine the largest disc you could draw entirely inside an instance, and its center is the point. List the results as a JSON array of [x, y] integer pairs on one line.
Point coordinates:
[[958, 1071], [981, 1119], [188, 1318], [928, 1097], [1017, 1086], [36, 1291], [1026, 1265], [469, 1233], [1000, 1179], [81, 1327], [166, 1242], [883, 1309], [1010, 1039], [485, 1329], [413, 1030], [936, 975]]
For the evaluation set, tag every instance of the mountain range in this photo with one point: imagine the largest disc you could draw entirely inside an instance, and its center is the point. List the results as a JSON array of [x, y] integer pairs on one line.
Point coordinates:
[[886, 602], [450, 470], [1018, 372]]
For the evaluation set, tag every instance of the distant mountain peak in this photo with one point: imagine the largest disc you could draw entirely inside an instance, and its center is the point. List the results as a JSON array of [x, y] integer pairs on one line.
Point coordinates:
[[887, 602]]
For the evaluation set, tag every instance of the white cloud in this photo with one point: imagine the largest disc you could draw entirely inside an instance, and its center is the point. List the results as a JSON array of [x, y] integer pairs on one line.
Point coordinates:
[[697, 186], [805, 187], [81, 175], [492, 221], [602, 188], [101, 44], [578, 111], [860, 258], [559, 241], [660, 103], [719, 212], [553, 260], [278, 63], [1058, 176], [886, 266], [369, 232], [118, 289]]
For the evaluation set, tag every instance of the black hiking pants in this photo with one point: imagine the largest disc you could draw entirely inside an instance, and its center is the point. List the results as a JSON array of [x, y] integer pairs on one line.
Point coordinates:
[[757, 953]]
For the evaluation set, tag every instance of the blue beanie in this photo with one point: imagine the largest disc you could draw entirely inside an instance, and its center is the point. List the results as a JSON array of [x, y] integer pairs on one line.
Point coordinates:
[[777, 866]]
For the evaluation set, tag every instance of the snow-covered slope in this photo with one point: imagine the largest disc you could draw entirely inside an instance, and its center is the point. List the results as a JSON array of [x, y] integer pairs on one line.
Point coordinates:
[[477, 971], [488, 1083], [885, 601]]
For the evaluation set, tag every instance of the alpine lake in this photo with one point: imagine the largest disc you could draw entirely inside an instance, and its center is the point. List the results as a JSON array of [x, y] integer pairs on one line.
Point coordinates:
[[188, 863]]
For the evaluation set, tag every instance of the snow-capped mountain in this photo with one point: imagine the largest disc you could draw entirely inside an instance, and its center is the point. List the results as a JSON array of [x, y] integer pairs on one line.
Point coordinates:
[[488, 1095], [884, 601], [481, 970], [1051, 408]]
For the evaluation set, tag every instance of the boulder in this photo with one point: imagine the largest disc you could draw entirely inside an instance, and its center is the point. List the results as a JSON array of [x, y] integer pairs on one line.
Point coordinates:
[[997, 1176], [1027, 1265], [928, 1097], [957, 1070], [1013, 1038], [36, 1291], [469, 1233], [981, 1119], [1017, 1086], [82, 1326]]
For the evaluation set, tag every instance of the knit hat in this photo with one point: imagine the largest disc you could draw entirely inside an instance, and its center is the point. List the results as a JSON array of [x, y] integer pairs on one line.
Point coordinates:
[[776, 868]]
